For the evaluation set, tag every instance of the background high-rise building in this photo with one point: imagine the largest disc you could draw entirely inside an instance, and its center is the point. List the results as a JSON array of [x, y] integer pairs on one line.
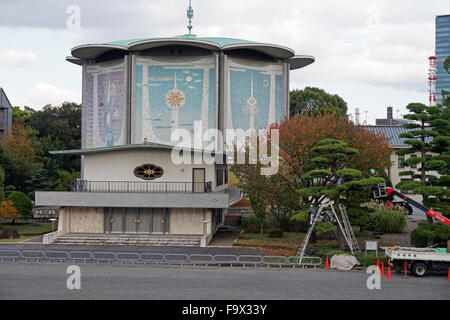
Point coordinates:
[[442, 52], [390, 120]]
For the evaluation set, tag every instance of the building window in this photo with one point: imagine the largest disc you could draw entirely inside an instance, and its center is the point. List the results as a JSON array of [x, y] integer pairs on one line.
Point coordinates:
[[219, 177], [226, 176], [148, 172], [401, 161]]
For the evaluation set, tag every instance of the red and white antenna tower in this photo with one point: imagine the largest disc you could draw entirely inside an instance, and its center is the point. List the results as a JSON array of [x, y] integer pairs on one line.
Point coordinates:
[[432, 80]]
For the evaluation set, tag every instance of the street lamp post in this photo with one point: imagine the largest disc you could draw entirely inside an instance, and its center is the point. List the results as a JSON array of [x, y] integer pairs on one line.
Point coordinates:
[[53, 224]]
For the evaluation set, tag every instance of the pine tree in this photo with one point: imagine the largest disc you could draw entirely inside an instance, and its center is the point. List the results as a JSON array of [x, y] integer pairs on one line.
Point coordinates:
[[428, 138], [435, 190], [332, 177]]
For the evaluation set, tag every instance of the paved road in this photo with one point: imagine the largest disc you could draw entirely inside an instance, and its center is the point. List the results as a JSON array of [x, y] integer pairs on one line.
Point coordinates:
[[22, 280]]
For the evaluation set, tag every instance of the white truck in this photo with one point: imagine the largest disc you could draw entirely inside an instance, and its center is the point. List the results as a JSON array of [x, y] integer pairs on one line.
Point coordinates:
[[420, 260]]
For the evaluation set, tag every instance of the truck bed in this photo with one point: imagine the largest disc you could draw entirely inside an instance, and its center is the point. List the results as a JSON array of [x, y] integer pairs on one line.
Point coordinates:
[[421, 254]]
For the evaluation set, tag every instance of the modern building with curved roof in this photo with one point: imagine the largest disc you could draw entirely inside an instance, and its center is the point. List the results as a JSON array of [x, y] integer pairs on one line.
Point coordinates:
[[235, 69], [138, 95]]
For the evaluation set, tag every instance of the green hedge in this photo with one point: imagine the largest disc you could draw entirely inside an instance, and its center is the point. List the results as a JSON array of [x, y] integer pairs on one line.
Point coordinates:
[[439, 232]]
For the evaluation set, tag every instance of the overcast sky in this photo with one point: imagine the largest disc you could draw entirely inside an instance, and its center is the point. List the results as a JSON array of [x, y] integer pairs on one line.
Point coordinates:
[[373, 53]]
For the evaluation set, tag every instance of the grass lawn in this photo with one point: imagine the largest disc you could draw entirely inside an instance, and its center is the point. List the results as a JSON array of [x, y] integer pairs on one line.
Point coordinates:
[[291, 241], [27, 230]]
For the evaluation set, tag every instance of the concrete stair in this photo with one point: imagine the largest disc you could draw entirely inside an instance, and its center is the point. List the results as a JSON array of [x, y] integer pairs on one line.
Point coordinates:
[[155, 240]]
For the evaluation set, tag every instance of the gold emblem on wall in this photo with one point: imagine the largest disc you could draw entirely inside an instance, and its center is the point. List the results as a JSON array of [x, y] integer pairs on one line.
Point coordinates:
[[148, 172]]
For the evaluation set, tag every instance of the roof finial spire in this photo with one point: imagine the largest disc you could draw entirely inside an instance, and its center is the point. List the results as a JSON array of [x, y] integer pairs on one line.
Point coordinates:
[[190, 15]]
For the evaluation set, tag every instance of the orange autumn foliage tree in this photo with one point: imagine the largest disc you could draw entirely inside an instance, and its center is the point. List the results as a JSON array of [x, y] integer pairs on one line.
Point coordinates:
[[8, 211], [19, 143], [298, 135], [18, 147]]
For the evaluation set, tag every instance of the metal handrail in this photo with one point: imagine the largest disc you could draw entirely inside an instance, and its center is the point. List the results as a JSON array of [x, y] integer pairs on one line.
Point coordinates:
[[23, 254], [160, 255], [198, 258], [95, 258], [140, 186], [178, 258], [157, 258], [72, 257], [16, 254], [137, 256]]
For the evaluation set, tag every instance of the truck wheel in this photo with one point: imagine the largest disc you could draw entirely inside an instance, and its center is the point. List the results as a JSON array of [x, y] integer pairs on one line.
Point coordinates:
[[410, 210], [419, 269]]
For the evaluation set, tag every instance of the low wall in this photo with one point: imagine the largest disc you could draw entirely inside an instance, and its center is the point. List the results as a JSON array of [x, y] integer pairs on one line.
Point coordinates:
[[49, 238], [81, 220], [187, 221]]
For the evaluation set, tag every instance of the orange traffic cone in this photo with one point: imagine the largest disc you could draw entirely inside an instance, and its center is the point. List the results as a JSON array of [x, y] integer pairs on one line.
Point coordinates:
[[389, 277], [382, 269], [448, 277], [327, 264], [405, 267], [378, 264]]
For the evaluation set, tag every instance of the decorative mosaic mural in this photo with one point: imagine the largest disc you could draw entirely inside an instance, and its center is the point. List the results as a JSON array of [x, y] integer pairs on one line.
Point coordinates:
[[255, 94], [105, 118], [172, 95]]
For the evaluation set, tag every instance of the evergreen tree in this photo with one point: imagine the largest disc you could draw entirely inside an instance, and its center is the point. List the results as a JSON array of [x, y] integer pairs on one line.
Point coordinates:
[[429, 140], [22, 203], [316, 101], [433, 189], [331, 175]]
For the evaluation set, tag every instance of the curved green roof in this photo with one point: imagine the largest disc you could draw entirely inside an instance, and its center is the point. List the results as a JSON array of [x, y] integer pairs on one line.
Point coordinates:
[[93, 51], [220, 41]]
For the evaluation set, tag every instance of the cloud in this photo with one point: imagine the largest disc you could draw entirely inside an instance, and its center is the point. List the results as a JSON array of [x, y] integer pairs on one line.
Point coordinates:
[[45, 93], [17, 59], [374, 43]]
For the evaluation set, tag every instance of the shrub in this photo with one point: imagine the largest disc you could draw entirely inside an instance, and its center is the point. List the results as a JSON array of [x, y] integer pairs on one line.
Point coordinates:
[[371, 260], [389, 221], [380, 206], [322, 227], [439, 232], [22, 203], [276, 233]]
